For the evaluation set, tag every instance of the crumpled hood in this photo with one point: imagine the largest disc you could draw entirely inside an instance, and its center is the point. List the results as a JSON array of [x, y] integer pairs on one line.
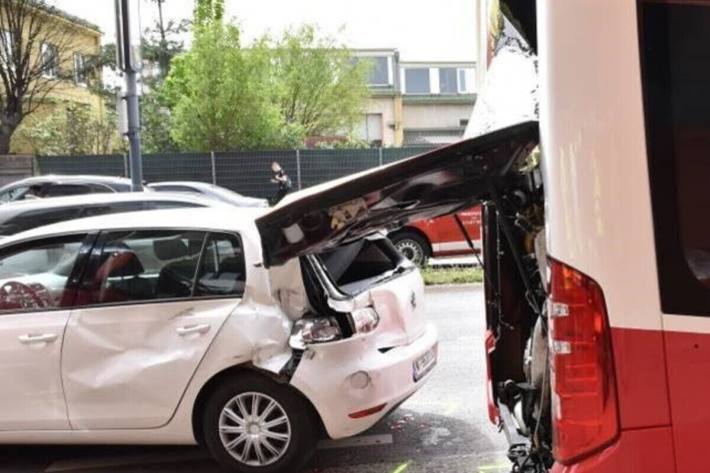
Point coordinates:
[[426, 186]]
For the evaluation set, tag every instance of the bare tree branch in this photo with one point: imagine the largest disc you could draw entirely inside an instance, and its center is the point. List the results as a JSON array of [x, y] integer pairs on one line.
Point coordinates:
[[37, 48]]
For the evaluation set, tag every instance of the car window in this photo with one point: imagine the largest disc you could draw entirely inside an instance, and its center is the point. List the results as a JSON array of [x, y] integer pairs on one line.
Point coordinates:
[[63, 190], [222, 271], [177, 189], [157, 205], [676, 81], [37, 218], [100, 188], [112, 208], [144, 265], [355, 266], [13, 194], [34, 276]]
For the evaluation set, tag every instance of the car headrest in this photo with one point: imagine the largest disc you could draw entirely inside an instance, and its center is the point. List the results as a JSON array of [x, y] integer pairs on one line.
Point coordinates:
[[121, 264], [170, 249]]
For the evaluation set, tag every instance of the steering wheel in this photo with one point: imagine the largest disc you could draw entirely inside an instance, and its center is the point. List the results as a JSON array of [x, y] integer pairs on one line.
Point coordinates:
[[17, 295]]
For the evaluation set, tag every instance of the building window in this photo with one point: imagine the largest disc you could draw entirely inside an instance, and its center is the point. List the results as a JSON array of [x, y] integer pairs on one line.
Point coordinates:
[[50, 60], [380, 74], [416, 80], [463, 86], [447, 80], [79, 69]]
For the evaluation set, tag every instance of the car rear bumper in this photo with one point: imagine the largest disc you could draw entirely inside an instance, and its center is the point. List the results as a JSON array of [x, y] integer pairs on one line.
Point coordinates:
[[643, 450], [330, 376]]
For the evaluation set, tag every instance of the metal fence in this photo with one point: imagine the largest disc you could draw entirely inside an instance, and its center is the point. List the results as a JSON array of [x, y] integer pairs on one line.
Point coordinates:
[[246, 172]]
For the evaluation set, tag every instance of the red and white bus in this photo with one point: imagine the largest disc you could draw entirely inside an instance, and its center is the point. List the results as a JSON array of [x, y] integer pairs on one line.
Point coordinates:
[[598, 272]]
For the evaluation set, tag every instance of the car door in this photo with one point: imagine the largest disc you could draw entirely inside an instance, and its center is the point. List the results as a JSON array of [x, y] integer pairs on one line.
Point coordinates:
[[37, 282], [153, 300]]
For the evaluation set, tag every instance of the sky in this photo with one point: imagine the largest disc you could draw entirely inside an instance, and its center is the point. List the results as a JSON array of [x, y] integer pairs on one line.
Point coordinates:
[[422, 30]]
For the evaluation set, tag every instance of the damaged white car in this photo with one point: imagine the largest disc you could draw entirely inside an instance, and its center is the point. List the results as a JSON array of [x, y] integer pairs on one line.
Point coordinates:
[[250, 331]]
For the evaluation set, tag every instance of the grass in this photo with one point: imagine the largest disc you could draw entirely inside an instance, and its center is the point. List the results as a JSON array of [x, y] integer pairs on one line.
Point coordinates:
[[453, 275]]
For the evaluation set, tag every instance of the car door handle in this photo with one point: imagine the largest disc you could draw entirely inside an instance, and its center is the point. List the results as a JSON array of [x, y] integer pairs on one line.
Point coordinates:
[[192, 329], [32, 338]]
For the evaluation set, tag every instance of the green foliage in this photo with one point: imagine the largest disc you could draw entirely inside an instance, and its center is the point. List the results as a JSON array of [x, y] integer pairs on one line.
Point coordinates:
[[223, 96], [456, 275], [271, 94], [321, 88], [208, 12], [73, 130]]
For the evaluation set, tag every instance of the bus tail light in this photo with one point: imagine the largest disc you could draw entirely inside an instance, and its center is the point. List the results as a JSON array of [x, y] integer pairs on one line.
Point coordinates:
[[584, 400]]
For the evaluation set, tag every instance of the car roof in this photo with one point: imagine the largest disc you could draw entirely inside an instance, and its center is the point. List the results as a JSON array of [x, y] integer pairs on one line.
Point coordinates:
[[61, 179], [102, 198], [195, 184], [221, 218]]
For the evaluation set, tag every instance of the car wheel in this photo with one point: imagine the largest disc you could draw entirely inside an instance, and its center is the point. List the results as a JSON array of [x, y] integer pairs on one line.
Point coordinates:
[[255, 425], [412, 246]]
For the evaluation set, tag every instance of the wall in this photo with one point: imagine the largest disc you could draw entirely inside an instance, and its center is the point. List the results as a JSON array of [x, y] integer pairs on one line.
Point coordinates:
[[431, 115], [15, 167]]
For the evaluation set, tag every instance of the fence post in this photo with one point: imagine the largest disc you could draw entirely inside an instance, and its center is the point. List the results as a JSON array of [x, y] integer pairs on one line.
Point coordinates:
[[379, 155], [298, 168], [213, 162], [125, 165]]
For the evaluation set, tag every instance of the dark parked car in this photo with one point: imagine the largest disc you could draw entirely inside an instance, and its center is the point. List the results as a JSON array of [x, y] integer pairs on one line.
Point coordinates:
[[61, 186]]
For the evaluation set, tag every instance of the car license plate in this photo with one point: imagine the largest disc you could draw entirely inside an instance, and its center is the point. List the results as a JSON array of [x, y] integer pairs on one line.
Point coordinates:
[[425, 363]]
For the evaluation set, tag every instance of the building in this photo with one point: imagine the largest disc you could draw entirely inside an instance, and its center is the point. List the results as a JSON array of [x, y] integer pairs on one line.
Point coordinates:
[[416, 103], [77, 81]]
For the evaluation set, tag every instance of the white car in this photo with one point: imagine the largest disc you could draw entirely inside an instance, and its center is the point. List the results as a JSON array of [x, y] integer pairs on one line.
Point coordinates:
[[167, 327], [211, 191], [250, 331]]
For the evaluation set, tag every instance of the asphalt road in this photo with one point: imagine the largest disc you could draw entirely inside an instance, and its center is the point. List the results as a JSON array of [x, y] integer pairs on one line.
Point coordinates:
[[442, 428]]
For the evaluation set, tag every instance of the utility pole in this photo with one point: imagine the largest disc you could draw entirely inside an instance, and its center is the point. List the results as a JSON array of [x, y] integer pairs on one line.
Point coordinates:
[[129, 61]]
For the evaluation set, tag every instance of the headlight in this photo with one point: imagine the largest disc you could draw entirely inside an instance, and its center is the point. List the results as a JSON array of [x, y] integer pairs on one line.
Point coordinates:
[[320, 330], [365, 320]]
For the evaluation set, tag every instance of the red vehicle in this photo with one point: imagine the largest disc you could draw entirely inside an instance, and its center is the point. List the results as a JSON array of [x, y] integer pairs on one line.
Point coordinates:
[[597, 246], [440, 236]]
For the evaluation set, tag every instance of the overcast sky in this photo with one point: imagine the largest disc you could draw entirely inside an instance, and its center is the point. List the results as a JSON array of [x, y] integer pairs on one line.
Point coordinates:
[[422, 30]]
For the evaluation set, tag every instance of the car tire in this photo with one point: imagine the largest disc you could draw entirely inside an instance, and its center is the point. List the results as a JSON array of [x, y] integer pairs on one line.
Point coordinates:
[[412, 246], [261, 443]]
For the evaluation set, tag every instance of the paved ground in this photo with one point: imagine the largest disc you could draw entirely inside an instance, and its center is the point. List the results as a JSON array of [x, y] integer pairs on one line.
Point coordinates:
[[442, 429]]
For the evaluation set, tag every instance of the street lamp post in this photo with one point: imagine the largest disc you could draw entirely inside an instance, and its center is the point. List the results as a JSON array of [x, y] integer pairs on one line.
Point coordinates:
[[129, 61]]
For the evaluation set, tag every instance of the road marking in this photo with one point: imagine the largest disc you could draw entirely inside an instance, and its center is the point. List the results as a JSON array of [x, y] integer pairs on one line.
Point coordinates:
[[401, 468], [362, 441], [125, 460]]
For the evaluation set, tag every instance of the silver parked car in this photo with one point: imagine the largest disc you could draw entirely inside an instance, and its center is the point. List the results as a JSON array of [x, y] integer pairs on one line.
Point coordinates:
[[20, 216], [209, 190], [61, 186]]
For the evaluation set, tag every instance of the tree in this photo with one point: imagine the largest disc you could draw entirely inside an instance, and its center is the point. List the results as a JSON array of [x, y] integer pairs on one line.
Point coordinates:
[[73, 130], [223, 97], [208, 12], [161, 43], [35, 56], [321, 88]]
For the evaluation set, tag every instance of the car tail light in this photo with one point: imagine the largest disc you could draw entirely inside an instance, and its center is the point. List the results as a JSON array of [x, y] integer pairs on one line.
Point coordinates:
[[584, 405]]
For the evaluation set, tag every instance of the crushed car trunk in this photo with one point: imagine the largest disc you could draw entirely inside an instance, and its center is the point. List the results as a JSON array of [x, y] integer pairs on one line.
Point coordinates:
[[436, 183]]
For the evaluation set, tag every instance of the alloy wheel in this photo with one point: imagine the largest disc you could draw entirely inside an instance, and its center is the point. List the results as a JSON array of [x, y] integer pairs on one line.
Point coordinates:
[[255, 429]]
